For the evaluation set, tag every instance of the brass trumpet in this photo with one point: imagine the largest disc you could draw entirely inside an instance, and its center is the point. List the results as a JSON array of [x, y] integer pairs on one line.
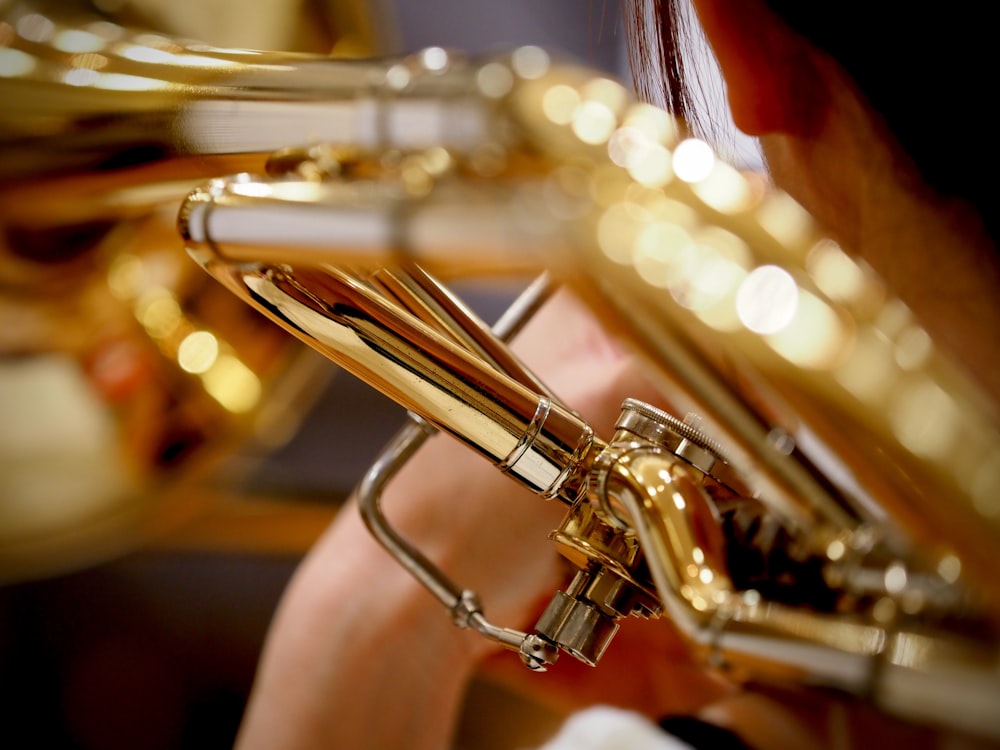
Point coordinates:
[[829, 518]]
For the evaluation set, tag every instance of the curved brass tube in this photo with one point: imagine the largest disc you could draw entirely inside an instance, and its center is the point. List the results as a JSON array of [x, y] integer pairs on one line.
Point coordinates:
[[351, 182], [586, 220], [897, 668]]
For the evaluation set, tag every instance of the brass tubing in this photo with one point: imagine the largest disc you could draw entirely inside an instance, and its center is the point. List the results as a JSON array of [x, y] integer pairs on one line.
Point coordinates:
[[94, 139], [458, 230], [926, 677], [676, 525], [414, 287], [463, 604], [786, 485], [539, 443]]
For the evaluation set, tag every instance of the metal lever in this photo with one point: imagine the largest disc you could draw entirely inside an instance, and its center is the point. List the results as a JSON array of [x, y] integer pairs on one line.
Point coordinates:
[[536, 652]]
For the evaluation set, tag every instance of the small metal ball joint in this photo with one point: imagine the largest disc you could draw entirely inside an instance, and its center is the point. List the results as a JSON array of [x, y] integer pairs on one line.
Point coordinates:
[[537, 653]]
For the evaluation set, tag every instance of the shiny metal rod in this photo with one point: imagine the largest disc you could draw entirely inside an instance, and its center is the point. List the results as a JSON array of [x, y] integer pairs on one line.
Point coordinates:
[[463, 604], [916, 673], [537, 442]]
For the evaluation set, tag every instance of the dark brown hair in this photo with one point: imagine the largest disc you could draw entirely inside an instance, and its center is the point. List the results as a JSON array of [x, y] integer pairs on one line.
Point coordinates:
[[926, 69], [656, 30]]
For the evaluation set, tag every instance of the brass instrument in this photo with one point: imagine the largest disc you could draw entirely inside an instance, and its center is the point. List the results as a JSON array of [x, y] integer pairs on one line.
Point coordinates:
[[116, 429], [831, 516]]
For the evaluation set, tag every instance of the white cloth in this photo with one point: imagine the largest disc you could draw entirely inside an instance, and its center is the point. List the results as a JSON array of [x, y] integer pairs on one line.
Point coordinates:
[[605, 728]]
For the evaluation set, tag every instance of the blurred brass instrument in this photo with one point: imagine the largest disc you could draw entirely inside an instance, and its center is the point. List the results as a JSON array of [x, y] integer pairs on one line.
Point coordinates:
[[114, 431], [831, 516]]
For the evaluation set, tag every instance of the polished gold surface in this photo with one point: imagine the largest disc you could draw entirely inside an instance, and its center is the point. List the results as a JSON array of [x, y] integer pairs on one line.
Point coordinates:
[[876, 461], [129, 380], [791, 351], [729, 288]]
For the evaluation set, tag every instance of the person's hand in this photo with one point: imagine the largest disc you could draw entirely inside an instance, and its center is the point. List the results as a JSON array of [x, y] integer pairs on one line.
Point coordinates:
[[486, 531], [359, 653]]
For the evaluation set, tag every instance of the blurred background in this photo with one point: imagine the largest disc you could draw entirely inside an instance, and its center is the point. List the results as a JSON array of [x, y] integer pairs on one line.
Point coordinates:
[[147, 525]]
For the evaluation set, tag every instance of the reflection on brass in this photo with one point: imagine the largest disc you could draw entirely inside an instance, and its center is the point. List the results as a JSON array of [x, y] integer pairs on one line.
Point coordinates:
[[830, 517], [127, 377]]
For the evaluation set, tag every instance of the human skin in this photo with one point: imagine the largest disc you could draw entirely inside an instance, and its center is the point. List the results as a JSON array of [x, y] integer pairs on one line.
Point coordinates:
[[826, 146]]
